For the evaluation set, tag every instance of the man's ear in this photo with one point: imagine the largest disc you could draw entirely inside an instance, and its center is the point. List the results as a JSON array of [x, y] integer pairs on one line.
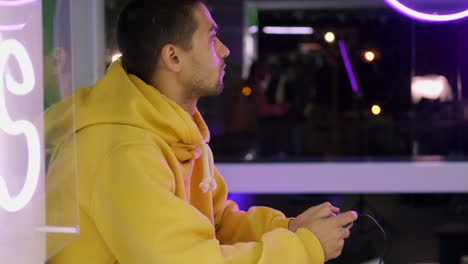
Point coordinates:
[[170, 57]]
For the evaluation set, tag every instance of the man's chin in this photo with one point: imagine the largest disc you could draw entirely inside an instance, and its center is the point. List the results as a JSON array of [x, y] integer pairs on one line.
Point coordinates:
[[215, 91]]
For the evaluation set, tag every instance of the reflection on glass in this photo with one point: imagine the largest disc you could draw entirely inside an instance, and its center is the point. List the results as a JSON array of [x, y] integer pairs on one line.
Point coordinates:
[[62, 221], [382, 59]]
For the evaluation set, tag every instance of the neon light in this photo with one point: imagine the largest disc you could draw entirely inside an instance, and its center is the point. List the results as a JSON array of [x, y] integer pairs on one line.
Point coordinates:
[[347, 63], [288, 30], [424, 16], [253, 29], [249, 46], [16, 3], [432, 87], [16, 49], [116, 56], [12, 27]]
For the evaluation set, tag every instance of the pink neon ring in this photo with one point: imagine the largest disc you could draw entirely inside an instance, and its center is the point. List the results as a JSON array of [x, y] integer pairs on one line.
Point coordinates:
[[424, 16]]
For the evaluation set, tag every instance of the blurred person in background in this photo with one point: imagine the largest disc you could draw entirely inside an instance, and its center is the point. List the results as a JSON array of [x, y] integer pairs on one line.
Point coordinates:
[[269, 115]]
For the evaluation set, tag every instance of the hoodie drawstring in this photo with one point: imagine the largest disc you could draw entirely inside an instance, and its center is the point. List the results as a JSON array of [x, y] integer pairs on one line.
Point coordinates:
[[208, 181]]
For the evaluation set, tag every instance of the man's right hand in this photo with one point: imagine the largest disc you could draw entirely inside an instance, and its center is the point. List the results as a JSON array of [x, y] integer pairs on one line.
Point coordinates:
[[326, 226]]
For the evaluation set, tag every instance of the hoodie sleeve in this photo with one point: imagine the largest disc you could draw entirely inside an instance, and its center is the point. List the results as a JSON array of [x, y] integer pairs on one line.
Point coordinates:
[[234, 225], [142, 221]]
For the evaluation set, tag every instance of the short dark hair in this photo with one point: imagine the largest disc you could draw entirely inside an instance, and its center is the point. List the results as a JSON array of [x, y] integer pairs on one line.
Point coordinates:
[[145, 26]]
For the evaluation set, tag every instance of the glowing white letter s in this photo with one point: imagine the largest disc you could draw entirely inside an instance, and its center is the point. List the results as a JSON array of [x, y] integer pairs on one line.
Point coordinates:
[[14, 48]]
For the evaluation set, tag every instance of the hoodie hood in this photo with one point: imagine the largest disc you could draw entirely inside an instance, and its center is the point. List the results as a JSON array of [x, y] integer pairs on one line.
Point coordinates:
[[121, 98]]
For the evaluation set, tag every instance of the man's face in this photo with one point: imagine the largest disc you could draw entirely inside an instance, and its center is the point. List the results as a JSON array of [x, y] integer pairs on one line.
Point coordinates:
[[205, 61]]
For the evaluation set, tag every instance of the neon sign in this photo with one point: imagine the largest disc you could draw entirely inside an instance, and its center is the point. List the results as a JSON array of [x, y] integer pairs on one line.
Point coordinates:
[[16, 2], [14, 48], [288, 30], [15, 27], [425, 16], [348, 67]]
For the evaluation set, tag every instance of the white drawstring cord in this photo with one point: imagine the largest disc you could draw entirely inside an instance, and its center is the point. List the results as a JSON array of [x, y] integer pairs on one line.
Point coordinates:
[[208, 181]]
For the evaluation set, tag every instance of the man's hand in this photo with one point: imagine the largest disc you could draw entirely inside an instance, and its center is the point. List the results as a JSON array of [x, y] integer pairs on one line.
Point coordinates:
[[313, 213], [326, 226]]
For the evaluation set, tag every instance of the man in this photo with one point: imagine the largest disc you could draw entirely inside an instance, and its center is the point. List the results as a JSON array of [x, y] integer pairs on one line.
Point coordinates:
[[148, 189]]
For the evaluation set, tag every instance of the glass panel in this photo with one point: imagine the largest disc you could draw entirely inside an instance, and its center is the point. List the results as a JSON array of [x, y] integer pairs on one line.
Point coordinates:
[[342, 89], [62, 221]]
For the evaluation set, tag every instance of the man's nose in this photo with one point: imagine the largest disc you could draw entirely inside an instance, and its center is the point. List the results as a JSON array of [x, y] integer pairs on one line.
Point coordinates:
[[224, 51]]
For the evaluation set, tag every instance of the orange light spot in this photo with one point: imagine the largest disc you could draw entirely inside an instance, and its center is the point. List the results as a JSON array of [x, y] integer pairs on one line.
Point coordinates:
[[246, 91]]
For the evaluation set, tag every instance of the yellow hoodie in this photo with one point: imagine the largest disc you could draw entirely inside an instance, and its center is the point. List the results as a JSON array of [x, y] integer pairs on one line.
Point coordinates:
[[142, 184]]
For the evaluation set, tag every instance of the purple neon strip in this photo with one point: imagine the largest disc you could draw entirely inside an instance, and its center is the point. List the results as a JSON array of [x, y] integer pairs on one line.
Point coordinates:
[[347, 63], [16, 27], [424, 16], [16, 3]]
